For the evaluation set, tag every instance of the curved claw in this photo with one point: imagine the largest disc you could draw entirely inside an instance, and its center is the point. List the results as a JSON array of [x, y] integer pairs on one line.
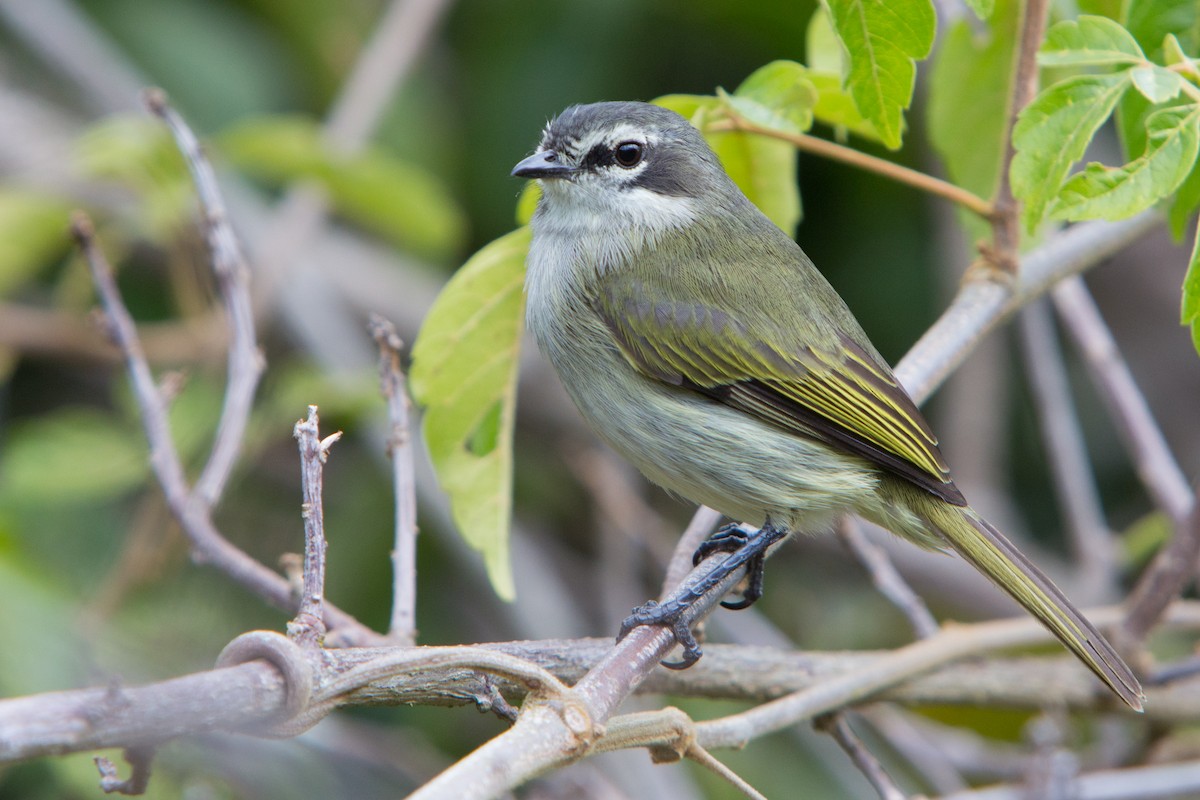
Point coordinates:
[[738, 605], [653, 613]]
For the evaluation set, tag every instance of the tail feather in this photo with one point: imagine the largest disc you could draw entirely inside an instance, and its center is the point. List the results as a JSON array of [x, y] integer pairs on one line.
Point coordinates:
[[995, 556]]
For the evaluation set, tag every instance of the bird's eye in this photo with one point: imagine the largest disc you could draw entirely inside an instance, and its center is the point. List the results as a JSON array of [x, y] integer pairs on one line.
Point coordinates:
[[628, 154]]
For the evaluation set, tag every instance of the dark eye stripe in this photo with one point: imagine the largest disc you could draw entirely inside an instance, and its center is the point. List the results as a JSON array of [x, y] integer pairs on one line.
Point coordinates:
[[599, 156]]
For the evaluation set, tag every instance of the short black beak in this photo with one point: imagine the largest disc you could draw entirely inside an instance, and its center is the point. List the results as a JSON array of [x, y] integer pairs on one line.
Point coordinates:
[[542, 165]]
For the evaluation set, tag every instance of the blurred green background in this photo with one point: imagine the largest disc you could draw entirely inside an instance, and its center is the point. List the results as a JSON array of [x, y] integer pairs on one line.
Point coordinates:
[[95, 582]]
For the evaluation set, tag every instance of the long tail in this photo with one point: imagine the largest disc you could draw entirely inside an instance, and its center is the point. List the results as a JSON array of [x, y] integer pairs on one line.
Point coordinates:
[[995, 556]]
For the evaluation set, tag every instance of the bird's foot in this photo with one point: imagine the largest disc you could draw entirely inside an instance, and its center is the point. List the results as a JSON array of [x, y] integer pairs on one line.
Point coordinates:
[[744, 549]]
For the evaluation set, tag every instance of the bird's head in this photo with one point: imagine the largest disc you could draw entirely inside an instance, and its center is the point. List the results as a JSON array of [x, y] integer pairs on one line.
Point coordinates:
[[624, 162]]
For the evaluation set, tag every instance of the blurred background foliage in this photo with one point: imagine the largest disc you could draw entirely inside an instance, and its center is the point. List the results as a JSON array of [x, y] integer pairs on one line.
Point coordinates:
[[95, 583]]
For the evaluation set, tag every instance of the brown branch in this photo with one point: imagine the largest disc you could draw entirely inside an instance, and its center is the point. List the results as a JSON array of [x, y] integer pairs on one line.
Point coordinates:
[[860, 160], [1006, 223], [242, 696], [403, 627]]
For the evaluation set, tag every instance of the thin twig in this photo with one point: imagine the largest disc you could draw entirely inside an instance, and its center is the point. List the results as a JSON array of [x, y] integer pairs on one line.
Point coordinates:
[[1006, 223], [1163, 582], [308, 628], [1074, 481], [1159, 471], [837, 727], [139, 758], [245, 365], [208, 545], [950, 644], [924, 754], [887, 579], [856, 158], [403, 626]]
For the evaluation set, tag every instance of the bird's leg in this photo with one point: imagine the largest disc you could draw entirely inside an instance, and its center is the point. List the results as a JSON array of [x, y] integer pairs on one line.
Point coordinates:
[[748, 550]]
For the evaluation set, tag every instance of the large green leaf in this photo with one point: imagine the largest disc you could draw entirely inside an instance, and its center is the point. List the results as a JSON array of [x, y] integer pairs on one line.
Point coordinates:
[[1090, 40], [764, 168], [392, 198], [464, 374], [883, 40], [968, 102], [1053, 132], [826, 66], [1103, 192]]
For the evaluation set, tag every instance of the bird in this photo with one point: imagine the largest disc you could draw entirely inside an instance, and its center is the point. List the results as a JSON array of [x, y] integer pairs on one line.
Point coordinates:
[[699, 341]]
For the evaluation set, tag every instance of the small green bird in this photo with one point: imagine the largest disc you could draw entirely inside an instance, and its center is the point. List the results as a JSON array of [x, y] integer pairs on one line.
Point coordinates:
[[700, 342]]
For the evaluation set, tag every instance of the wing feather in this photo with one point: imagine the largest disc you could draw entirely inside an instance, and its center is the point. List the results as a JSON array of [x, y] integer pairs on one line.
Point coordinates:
[[837, 390]]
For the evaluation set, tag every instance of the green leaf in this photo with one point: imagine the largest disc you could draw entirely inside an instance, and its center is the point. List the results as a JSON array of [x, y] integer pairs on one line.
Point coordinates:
[[464, 374], [883, 40], [1190, 307], [836, 109], [1150, 22], [822, 48], [1158, 85], [72, 455], [968, 103], [1102, 192], [764, 168], [826, 66], [33, 230], [396, 200], [778, 95], [1186, 201], [1053, 132], [1090, 40]]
